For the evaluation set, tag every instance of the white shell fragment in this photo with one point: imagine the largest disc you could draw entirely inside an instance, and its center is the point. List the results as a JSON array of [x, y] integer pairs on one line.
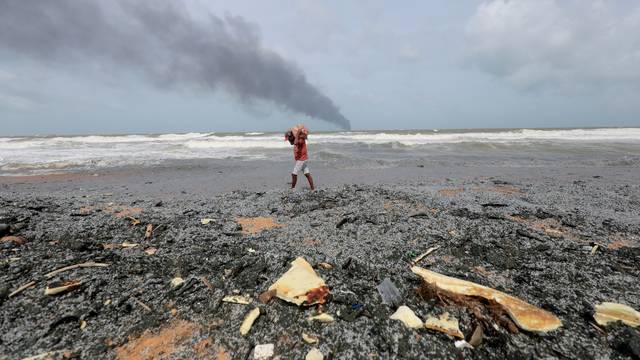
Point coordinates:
[[263, 351], [461, 344], [300, 285], [314, 354], [445, 324], [309, 339], [408, 317], [176, 282], [609, 312], [324, 318], [248, 321]]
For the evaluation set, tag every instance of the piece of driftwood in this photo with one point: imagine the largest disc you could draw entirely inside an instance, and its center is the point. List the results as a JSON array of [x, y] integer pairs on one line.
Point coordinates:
[[71, 267]]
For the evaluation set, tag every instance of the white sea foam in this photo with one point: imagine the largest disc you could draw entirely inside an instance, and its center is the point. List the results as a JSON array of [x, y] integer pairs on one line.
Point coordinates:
[[62, 153]]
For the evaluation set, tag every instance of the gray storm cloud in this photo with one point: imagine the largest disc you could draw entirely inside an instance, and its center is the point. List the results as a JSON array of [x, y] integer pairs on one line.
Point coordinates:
[[162, 41]]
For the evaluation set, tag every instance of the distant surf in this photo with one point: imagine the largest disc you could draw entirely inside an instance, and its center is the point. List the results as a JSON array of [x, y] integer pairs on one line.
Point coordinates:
[[55, 154]]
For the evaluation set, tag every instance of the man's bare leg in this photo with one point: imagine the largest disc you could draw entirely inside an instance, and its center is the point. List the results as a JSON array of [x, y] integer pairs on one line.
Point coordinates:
[[294, 179], [310, 179]]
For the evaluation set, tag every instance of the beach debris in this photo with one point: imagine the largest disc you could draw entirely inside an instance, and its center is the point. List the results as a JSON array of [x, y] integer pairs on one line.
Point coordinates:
[[151, 251], [300, 285], [15, 240], [83, 325], [477, 336], [594, 249], [142, 305], [107, 302], [408, 317], [64, 287], [134, 221], [165, 342], [309, 339], [314, 354], [608, 312], [423, 255], [351, 312], [266, 296], [149, 231], [50, 355], [263, 351], [206, 283], [248, 321], [4, 230], [445, 324], [461, 344], [525, 315], [255, 225], [323, 318], [389, 293], [89, 264], [206, 221], [22, 288], [176, 282], [325, 266], [236, 299], [128, 245], [250, 250]]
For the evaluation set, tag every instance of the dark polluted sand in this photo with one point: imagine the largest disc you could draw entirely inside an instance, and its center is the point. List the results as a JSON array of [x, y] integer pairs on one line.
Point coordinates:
[[526, 231]]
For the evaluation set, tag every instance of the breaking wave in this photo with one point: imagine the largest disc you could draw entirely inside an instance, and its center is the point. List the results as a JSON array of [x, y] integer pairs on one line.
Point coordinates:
[[41, 154]]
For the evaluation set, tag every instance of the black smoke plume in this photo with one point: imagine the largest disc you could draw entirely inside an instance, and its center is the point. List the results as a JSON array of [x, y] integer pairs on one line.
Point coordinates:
[[162, 41]]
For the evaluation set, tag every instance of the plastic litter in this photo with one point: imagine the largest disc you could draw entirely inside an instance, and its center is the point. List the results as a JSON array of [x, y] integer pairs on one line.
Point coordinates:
[[389, 293]]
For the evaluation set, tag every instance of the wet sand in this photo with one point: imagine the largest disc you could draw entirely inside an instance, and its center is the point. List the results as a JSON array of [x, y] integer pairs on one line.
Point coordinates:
[[522, 228]]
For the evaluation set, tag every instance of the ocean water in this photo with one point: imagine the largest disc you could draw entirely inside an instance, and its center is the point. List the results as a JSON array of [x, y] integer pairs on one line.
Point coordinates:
[[59, 154]]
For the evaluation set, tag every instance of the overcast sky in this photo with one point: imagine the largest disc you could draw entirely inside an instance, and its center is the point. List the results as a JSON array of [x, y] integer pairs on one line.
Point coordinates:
[[379, 64]]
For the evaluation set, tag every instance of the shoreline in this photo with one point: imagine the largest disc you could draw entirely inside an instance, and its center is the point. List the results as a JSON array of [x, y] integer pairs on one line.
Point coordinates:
[[527, 231]]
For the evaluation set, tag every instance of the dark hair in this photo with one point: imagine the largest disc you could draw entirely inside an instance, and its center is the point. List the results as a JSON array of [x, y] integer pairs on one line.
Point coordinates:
[[290, 137]]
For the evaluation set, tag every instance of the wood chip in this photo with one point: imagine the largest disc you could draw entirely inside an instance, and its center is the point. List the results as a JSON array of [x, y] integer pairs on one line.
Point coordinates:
[[407, 317], [444, 324], [248, 321], [236, 299], [323, 318], [128, 245], [151, 251], [609, 312]]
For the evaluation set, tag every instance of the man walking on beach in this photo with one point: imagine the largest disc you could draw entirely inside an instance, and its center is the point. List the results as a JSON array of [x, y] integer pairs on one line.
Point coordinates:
[[297, 137]]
